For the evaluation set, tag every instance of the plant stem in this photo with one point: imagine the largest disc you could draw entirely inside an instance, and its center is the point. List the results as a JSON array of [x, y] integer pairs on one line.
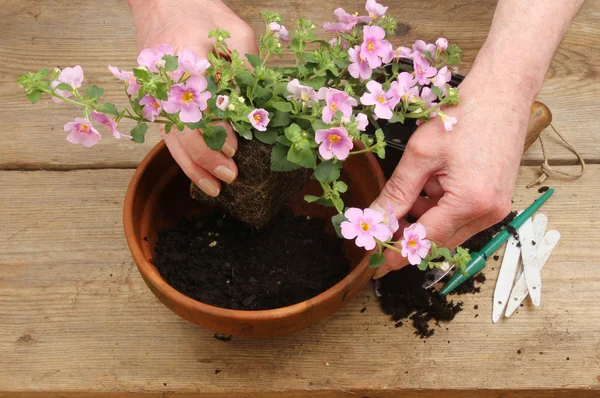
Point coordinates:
[[390, 247]]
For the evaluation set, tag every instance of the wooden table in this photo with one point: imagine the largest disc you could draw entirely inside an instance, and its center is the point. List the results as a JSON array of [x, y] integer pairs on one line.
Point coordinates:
[[77, 320]]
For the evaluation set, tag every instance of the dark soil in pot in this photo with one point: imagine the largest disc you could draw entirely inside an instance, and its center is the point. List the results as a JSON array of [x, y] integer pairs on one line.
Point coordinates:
[[226, 263]]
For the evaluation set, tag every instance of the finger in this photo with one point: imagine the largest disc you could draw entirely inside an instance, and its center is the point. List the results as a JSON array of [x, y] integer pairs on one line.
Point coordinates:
[[433, 188], [231, 143], [393, 262], [405, 184], [421, 206], [215, 162], [202, 178]]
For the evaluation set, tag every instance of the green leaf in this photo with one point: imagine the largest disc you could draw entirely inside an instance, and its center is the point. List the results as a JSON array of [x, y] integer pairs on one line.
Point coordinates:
[[267, 137], [64, 87], [320, 125], [311, 198], [338, 203], [302, 154], [243, 129], [162, 92], [341, 186], [424, 263], [211, 86], [337, 221], [444, 252], [196, 125], [397, 118], [168, 128], [245, 77], [327, 172], [437, 91], [280, 119], [109, 109], [316, 82], [141, 74], [135, 104], [282, 139], [376, 260], [297, 45], [279, 160], [216, 138], [180, 126], [34, 96], [282, 106], [171, 62], [293, 133], [42, 73], [254, 60], [366, 140], [139, 132], [94, 92]]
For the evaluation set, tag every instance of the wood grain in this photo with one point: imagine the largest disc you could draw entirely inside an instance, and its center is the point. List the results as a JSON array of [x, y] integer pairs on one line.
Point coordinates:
[[75, 316], [94, 34]]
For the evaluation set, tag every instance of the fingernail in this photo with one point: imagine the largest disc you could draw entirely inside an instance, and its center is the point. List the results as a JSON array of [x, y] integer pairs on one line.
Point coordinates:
[[228, 149], [225, 174], [209, 187]]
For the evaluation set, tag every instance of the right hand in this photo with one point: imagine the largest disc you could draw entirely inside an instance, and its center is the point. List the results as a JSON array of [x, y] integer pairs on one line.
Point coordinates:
[[186, 24]]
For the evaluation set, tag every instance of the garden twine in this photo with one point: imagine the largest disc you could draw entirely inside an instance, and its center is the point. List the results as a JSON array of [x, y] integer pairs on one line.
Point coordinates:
[[548, 171]]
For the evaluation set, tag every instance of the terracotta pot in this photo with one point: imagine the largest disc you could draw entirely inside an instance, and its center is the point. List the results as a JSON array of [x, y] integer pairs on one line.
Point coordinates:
[[158, 197]]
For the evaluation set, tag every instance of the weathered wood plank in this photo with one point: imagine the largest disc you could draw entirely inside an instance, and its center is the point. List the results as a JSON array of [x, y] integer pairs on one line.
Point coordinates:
[[75, 316], [38, 34]]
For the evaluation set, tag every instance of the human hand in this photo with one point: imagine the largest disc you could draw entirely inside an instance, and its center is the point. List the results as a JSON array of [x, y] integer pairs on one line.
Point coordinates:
[[185, 24], [469, 173]]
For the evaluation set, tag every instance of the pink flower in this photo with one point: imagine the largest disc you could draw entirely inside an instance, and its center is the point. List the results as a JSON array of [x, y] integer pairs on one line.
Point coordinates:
[[365, 226], [430, 100], [414, 245], [300, 92], [405, 87], [108, 123], [442, 44], [259, 118], [422, 47], [390, 218], [449, 121], [374, 47], [442, 78], [423, 71], [403, 52], [149, 57], [280, 31], [189, 99], [336, 101], [358, 67], [71, 76], [361, 122], [188, 62], [222, 102], [132, 85], [351, 20], [375, 9], [336, 27], [152, 107], [384, 102], [334, 141], [82, 132], [343, 44]]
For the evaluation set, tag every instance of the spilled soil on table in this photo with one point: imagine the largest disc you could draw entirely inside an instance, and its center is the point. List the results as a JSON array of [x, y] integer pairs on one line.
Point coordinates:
[[408, 303], [226, 263]]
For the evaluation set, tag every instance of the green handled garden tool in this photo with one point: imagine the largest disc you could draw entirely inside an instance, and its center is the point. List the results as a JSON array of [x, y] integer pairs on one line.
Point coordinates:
[[478, 259]]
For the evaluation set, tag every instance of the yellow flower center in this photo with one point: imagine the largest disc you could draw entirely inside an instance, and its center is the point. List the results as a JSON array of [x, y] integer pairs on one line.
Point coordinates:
[[305, 96], [333, 107], [412, 243], [365, 227], [187, 97], [257, 117], [333, 138], [370, 46], [373, 16], [84, 128], [156, 105], [381, 99]]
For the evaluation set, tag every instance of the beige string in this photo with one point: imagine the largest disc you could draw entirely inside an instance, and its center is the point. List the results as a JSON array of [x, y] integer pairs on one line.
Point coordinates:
[[548, 171]]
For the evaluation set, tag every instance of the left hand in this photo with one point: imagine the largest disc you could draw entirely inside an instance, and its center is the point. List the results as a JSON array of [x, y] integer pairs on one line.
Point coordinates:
[[469, 173]]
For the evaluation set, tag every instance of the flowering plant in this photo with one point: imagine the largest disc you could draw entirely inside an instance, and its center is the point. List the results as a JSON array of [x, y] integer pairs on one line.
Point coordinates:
[[315, 114]]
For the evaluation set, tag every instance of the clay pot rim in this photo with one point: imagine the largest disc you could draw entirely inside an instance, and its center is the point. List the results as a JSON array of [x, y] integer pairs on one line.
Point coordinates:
[[150, 272]]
